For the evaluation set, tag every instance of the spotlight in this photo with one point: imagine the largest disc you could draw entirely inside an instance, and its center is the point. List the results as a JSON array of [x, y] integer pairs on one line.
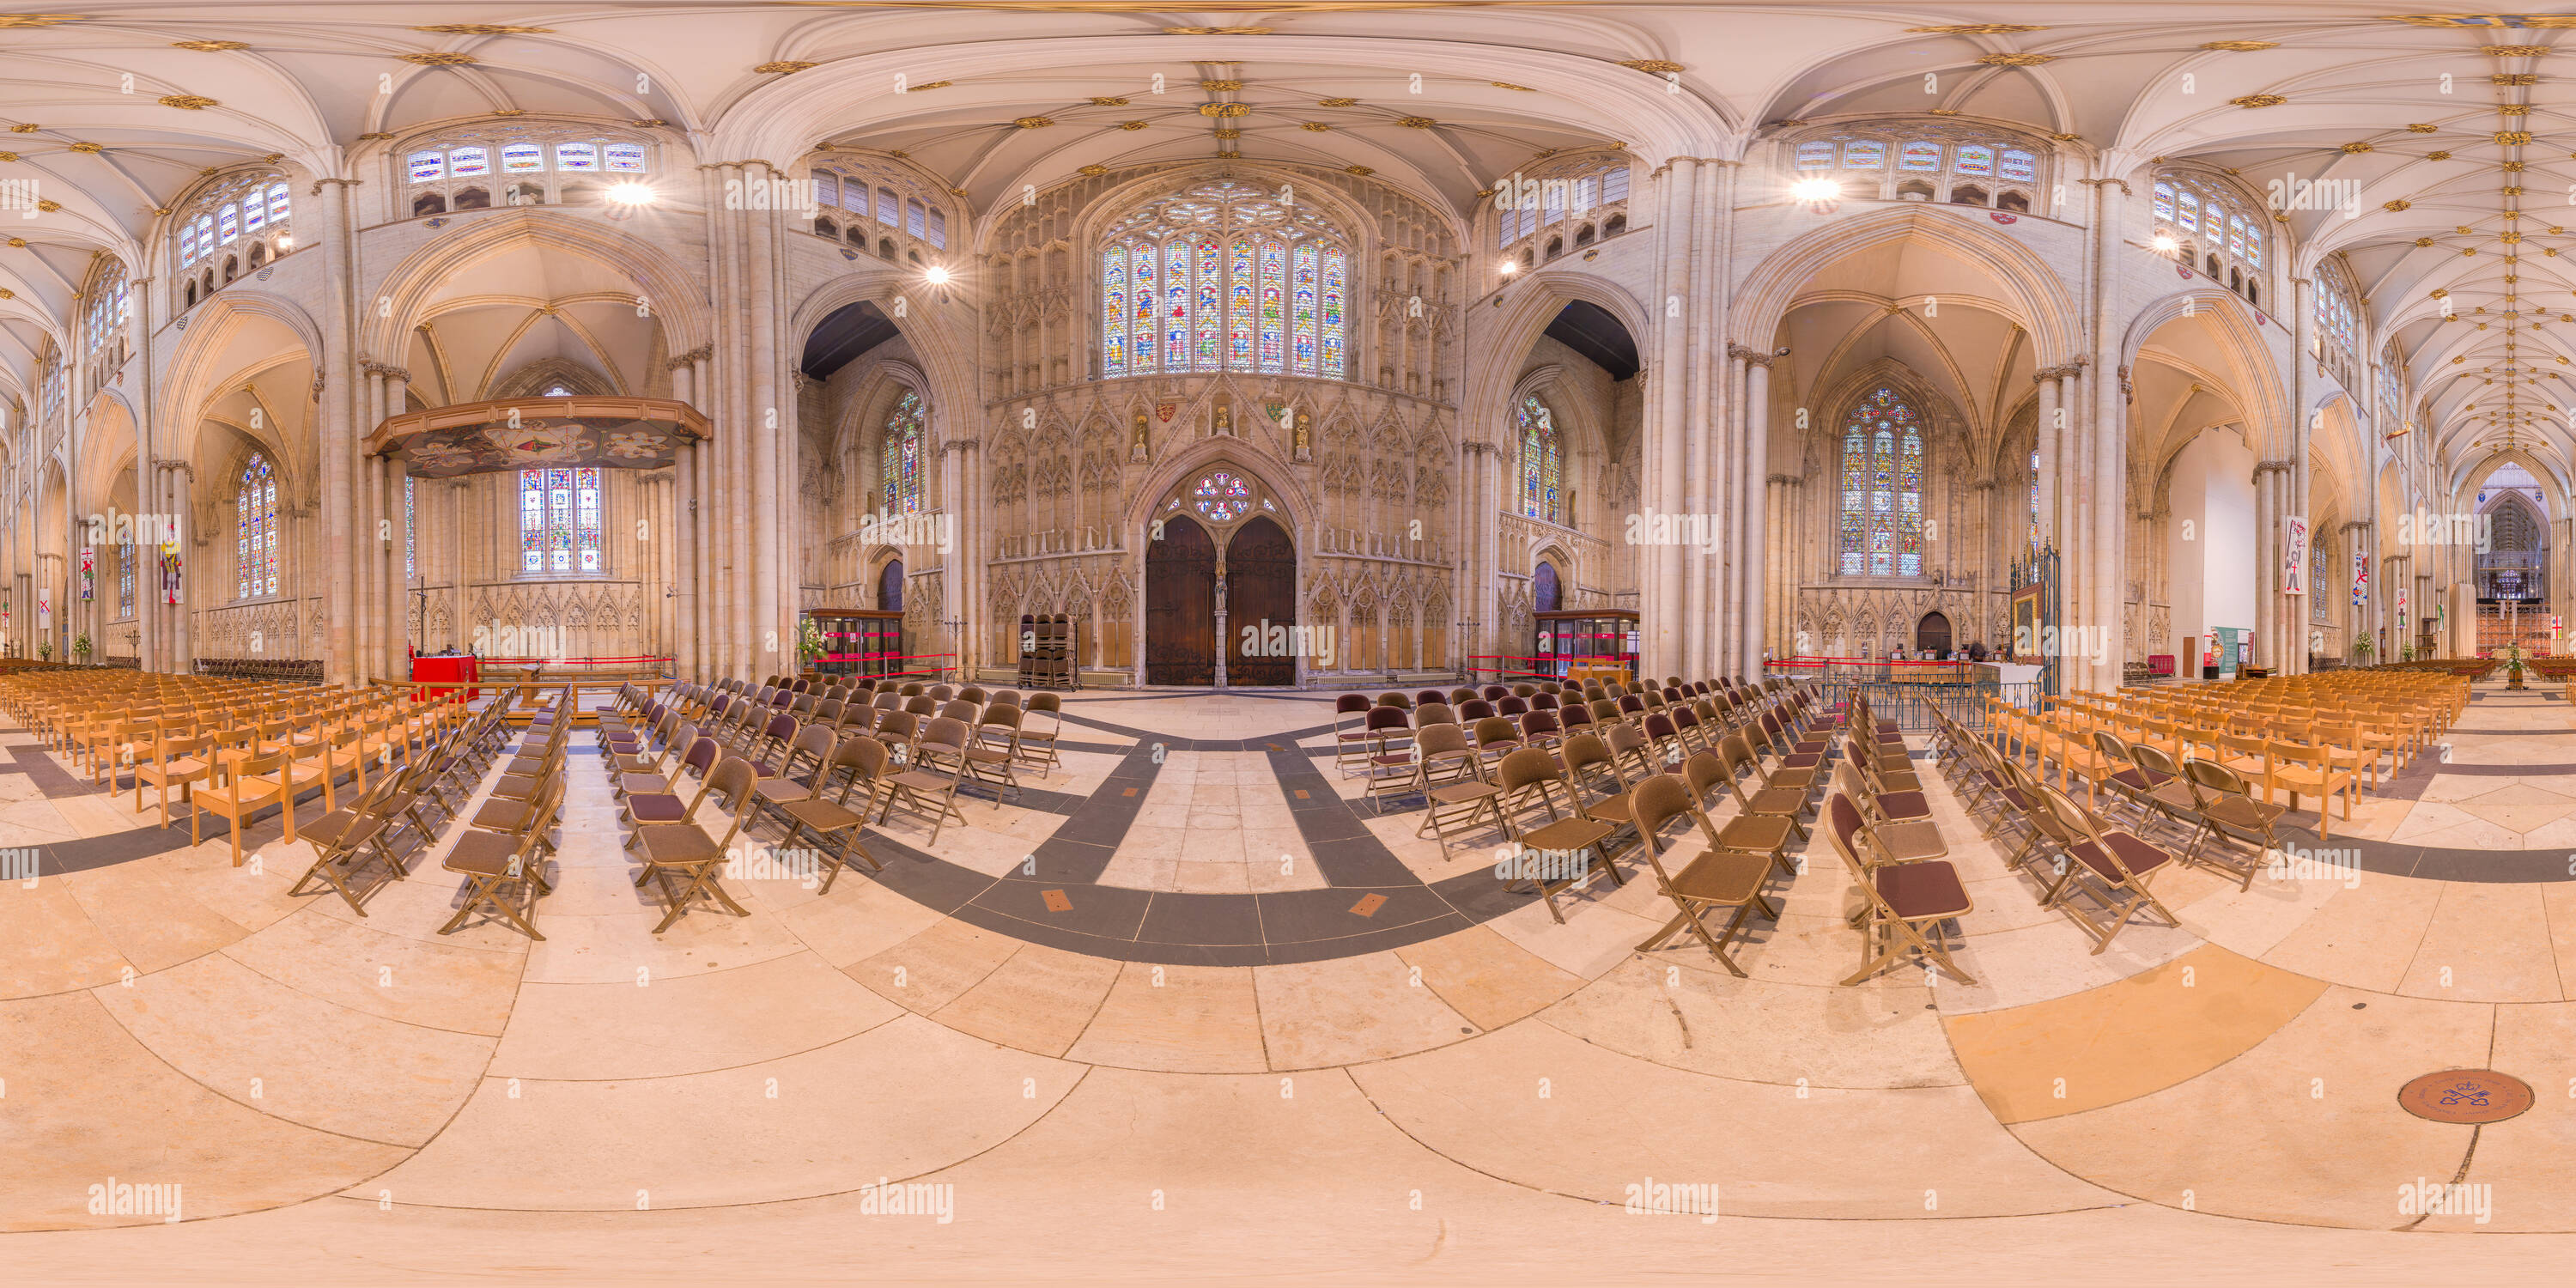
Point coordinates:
[[1815, 190], [936, 275], [1511, 268], [631, 193], [2165, 244], [285, 242]]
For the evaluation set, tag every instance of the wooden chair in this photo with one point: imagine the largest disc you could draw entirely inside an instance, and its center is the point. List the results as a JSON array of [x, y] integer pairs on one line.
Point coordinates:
[[236, 789], [183, 761], [2319, 770]]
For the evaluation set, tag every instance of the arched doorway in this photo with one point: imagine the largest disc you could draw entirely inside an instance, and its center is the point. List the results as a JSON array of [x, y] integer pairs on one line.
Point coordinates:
[[1932, 634], [1180, 605], [890, 586], [1261, 594], [1544, 590]]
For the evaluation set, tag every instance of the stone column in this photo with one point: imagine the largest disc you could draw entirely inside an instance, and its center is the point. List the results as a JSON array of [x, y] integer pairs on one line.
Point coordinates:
[[1664, 651], [397, 600], [339, 433], [1757, 526], [2271, 610]]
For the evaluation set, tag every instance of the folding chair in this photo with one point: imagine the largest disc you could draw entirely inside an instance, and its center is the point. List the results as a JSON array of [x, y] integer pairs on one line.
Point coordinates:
[[1714, 878], [343, 837], [2118, 862], [1901, 899], [925, 788], [1533, 770], [490, 860], [2230, 814], [684, 848], [865, 758]]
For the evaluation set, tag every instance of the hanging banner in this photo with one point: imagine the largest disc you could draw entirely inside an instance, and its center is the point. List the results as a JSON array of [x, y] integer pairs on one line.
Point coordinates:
[[170, 572], [2294, 555], [89, 574], [45, 608], [2360, 578], [2401, 610]]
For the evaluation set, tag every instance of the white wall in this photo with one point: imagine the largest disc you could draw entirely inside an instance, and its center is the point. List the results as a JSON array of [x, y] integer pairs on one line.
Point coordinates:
[[2213, 572]]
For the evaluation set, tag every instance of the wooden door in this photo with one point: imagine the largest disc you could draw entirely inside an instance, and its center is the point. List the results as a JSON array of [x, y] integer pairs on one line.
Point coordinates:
[[1261, 596], [1180, 605], [890, 586]]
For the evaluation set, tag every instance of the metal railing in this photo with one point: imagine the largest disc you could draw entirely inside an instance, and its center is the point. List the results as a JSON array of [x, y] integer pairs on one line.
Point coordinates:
[[1909, 692]]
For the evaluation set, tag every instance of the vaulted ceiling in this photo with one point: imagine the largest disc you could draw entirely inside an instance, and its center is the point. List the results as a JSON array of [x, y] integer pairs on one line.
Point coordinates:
[[2455, 128]]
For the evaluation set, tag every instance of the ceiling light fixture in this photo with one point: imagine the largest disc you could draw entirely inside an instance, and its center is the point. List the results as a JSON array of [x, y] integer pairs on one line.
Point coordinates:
[[936, 275]]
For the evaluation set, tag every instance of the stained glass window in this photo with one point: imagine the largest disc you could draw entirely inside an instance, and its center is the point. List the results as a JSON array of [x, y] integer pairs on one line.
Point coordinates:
[[1239, 342], [1542, 463], [125, 580], [559, 520], [1973, 159], [1274, 289], [228, 225], [1221, 497], [1882, 510], [1224, 276], [1334, 364], [255, 534], [1865, 154], [1176, 307], [1142, 350], [1210, 304], [1113, 311], [411, 530], [1919, 156], [1817, 154], [901, 466], [1301, 333], [2018, 166], [2034, 500]]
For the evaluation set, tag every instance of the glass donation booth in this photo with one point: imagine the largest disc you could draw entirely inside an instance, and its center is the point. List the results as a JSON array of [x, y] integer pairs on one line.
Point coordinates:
[[1587, 643], [858, 641]]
